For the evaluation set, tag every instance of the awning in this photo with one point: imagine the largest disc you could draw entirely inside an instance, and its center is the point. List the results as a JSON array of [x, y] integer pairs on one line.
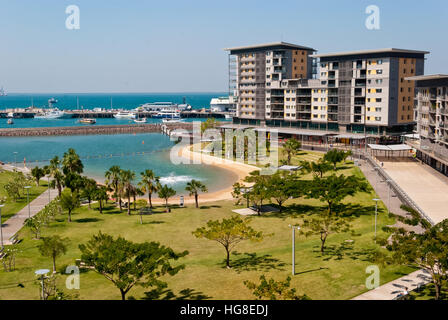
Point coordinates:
[[294, 131], [395, 147], [412, 136], [289, 168]]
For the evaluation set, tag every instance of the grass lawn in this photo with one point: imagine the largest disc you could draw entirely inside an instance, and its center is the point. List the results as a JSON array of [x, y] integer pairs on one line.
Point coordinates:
[[11, 207], [339, 274]]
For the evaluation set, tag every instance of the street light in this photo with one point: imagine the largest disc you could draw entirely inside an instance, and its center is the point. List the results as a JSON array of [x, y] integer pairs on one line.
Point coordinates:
[[15, 158], [49, 197], [389, 182], [28, 200], [294, 248], [1, 225], [42, 273], [376, 213]]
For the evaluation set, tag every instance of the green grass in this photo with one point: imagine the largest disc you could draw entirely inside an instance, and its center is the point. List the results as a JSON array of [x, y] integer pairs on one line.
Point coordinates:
[[11, 207], [339, 274]]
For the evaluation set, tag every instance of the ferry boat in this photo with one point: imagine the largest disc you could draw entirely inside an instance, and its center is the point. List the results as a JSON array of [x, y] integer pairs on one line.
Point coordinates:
[[87, 121], [50, 114], [125, 115], [167, 114], [173, 120], [156, 107], [223, 104]]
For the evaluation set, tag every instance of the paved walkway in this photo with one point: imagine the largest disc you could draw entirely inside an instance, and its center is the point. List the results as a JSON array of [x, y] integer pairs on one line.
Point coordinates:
[[15, 223], [425, 186], [393, 289]]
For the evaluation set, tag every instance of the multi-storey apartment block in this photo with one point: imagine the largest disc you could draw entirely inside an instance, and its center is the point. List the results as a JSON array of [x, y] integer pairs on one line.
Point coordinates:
[[256, 67], [357, 92], [431, 114]]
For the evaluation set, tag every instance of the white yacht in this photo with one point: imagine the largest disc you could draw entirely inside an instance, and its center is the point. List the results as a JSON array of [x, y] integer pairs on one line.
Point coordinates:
[[155, 107], [167, 114], [10, 115], [50, 114], [141, 120], [125, 115]]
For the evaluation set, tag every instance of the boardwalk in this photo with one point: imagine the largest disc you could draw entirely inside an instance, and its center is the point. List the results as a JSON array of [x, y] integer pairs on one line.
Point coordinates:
[[15, 223], [87, 130], [393, 289]]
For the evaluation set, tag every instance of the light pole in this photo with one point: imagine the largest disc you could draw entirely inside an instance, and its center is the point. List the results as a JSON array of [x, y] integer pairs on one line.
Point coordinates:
[[1, 225], [15, 159], [294, 247], [376, 213], [389, 182], [49, 197], [42, 273], [28, 200]]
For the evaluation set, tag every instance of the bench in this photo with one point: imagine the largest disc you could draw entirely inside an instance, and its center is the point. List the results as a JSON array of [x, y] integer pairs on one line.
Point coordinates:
[[14, 239]]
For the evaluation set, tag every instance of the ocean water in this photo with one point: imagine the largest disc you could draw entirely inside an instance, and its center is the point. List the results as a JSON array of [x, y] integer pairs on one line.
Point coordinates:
[[103, 100], [136, 152], [90, 101]]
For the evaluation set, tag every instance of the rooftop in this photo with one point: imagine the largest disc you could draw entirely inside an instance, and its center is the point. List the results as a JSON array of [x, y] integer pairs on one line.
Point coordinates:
[[273, 45], [428, 77], [369, 52]]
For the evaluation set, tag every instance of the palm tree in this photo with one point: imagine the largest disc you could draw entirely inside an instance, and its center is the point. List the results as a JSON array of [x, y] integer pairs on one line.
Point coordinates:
[[71, 163], [100, 196], [126, 177], [194, 187], [166, 192], [69, 202], [149, 184], [56, 174], [37, 174], [291, 147], [113, 181]]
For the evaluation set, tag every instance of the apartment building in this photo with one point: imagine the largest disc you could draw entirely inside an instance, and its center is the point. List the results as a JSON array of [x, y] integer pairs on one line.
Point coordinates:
[[431, 114], [254, 68], [356, 92]]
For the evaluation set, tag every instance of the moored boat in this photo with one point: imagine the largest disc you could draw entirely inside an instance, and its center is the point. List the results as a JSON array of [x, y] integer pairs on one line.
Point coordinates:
[[87, 121], [125, 115]]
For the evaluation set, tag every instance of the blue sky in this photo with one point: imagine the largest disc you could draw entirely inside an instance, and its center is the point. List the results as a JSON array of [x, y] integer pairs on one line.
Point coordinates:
[[177, 46]]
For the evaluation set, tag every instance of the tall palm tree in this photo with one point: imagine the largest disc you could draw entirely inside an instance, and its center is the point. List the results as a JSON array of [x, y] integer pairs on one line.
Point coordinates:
[[291, 147], [55, 172], [149, 184], [113, 181], [126, 177], [194, 187], [71, 163], [166, 192]]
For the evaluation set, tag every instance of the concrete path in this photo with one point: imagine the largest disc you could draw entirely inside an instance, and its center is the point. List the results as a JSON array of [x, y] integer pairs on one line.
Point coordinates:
[[393, 289], [425, 186], [15, 223]]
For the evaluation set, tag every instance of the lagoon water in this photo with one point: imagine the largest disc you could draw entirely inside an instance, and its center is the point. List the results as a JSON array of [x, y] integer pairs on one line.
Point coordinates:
[[99, 152]]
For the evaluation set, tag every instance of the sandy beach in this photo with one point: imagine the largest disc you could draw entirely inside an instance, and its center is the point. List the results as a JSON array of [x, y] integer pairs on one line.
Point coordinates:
[[242, 170]]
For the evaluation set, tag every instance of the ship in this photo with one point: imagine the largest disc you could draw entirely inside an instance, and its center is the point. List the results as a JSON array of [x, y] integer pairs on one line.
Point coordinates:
[[3, 92], [156, 107], [125, 115], [52, 112]]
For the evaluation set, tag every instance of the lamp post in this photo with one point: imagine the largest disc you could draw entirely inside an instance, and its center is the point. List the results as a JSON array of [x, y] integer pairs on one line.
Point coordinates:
[[294, 247], [49, 197], [376, 213], [28, 200], [1, 225], [15, 159], [42, 273], [389, 182]]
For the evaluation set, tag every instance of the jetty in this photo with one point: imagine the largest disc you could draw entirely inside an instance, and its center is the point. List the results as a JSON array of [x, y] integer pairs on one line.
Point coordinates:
[[95, 130], [29, 113]]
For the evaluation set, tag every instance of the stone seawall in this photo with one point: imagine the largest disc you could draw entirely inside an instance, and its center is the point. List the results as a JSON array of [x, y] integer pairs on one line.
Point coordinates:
[[88, 130]]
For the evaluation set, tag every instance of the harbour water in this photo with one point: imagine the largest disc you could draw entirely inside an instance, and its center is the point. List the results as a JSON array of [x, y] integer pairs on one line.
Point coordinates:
[[99, 152]]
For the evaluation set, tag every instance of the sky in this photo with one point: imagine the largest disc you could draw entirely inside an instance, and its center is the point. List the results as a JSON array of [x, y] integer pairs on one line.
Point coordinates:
[[177, 45]]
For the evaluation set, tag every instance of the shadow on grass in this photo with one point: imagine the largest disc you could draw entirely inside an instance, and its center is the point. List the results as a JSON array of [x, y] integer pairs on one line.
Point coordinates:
[[253, 262], [346, 250], [168, 294], [312, 270], [293, 210], [152, 222], [210, 207], [87, 220]]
